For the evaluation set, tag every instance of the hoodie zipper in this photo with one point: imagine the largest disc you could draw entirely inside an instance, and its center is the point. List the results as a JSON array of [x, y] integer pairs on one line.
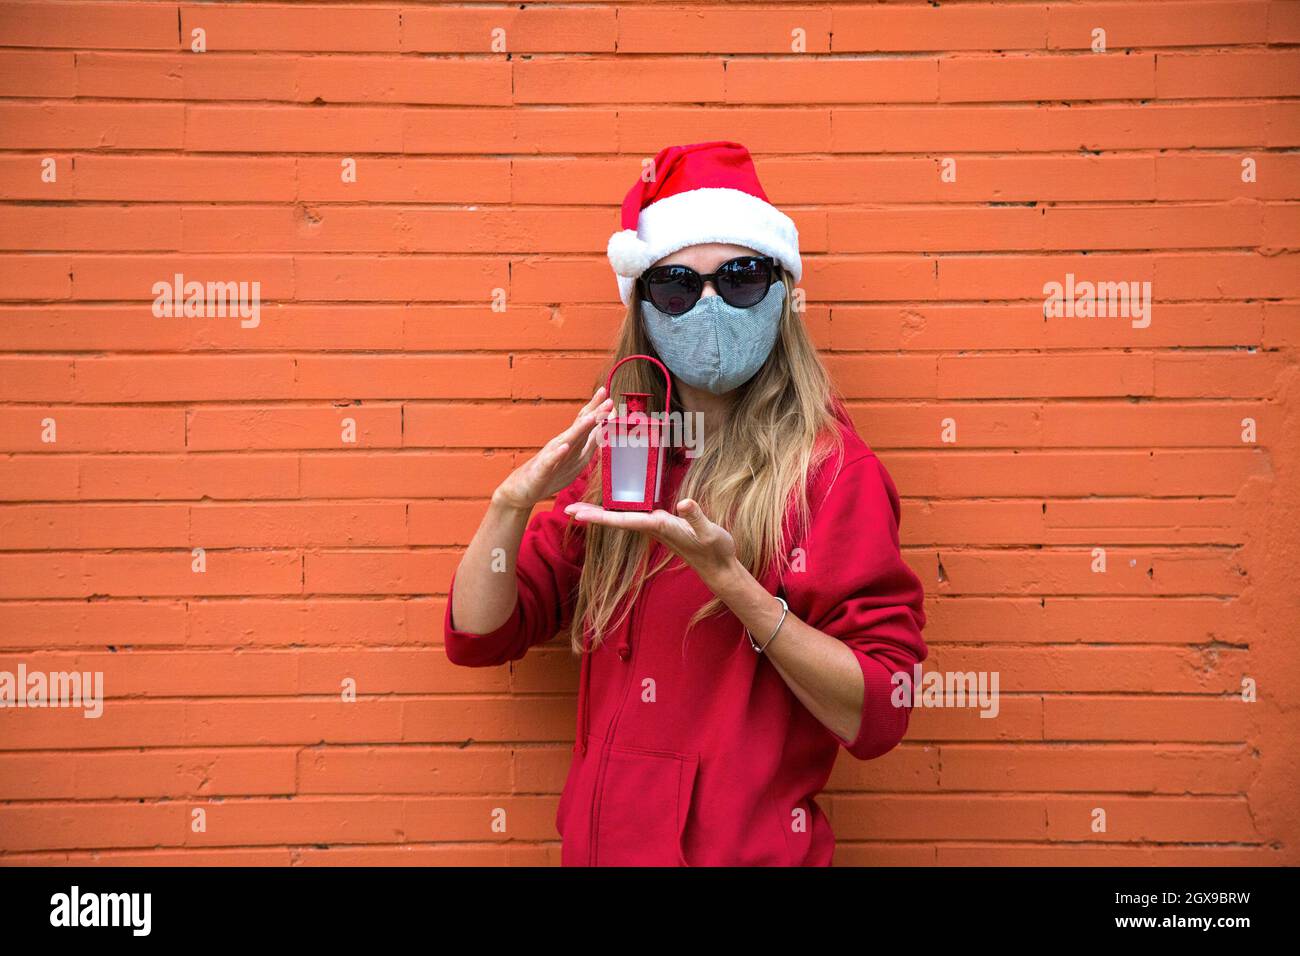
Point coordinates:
[[634, 617]]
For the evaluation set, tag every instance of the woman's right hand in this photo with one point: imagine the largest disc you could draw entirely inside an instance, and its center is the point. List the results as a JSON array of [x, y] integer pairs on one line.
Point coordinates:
[[560, 460]]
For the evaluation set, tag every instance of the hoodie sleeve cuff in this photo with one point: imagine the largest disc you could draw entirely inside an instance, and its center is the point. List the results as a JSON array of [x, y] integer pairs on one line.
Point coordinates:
[[883, 724], [471, 649]]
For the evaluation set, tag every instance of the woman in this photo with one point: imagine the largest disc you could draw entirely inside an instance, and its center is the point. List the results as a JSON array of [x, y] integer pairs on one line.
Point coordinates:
[[780, 536]]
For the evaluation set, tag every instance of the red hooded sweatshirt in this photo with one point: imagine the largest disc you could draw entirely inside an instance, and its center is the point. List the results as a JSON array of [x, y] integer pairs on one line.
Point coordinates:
[[691, 750]]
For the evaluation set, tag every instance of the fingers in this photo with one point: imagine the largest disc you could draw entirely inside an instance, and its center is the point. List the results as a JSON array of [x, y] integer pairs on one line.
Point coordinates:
[[593, 408], [589, 448], [694, 516], [548, 460], [594, 514], [593, 402], [570, 460], [554, 457], [587, 419], [574, 438], [660, 525]]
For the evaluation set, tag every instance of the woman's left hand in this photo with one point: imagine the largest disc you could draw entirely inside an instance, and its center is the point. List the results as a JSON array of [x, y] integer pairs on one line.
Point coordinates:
[[689, 534]]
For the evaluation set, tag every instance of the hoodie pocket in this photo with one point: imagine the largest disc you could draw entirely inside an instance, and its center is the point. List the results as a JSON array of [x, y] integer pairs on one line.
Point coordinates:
[[645, 801]]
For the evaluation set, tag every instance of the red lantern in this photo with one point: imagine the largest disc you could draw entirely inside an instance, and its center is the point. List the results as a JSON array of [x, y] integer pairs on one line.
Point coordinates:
[[632, 449]]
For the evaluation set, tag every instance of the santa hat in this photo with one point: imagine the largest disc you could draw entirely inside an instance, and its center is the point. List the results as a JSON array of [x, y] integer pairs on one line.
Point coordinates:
[[708, 192]]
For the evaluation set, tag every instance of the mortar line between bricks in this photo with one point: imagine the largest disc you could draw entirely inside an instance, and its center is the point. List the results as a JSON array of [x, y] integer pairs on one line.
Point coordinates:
[[328, 797], [542, 101]]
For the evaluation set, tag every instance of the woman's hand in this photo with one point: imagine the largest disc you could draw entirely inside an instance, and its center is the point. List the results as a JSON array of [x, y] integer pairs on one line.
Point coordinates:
[[689, 534], [560, 460]]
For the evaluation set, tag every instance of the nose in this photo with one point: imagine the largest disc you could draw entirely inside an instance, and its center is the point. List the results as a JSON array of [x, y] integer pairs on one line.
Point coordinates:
[[708, 289]]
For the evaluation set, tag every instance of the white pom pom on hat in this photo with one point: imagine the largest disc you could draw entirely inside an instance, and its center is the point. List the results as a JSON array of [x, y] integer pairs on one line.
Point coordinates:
[[708, 192], [629, 254]]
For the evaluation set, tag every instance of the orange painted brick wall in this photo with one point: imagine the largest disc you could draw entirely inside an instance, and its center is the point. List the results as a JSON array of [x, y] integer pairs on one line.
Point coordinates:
[[943, 162]]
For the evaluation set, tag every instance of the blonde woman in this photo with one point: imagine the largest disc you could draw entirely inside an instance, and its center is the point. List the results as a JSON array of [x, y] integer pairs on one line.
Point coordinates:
[[736, 638]]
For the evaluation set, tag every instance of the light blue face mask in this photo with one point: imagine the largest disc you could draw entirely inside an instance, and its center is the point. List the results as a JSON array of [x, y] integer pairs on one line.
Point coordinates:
[[716, 346]]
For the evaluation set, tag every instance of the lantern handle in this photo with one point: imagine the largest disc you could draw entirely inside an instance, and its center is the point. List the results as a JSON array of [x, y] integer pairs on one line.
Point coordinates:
[[668, 379]]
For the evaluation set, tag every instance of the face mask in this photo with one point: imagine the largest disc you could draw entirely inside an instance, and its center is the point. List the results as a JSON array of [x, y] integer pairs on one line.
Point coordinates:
[[715, 346]]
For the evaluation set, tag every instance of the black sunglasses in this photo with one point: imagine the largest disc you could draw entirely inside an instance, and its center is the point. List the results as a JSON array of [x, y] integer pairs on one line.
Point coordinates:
[[741, 282]]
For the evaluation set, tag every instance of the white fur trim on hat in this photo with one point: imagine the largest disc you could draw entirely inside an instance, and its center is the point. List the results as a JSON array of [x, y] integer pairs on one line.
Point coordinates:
[[703, 215]]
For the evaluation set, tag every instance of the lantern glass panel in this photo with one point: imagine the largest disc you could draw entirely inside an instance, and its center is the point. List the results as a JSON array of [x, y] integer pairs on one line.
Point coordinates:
[[629, 462]]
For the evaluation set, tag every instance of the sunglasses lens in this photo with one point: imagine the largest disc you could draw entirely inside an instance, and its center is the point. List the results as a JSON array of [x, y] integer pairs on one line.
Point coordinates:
[[744, 282], [672, 289]]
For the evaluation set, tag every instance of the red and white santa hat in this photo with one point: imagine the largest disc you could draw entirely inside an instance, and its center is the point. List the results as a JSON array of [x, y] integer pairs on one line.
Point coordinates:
[[708, 192]]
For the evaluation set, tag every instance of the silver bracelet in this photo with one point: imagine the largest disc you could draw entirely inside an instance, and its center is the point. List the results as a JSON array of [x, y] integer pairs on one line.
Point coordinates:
[[785, 609]]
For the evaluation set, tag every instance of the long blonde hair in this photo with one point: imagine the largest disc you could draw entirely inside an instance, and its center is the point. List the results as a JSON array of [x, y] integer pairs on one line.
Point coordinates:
[[750, 476]]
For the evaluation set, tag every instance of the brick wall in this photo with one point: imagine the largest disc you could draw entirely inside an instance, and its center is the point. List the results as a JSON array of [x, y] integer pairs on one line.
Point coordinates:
[[943, 162]]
